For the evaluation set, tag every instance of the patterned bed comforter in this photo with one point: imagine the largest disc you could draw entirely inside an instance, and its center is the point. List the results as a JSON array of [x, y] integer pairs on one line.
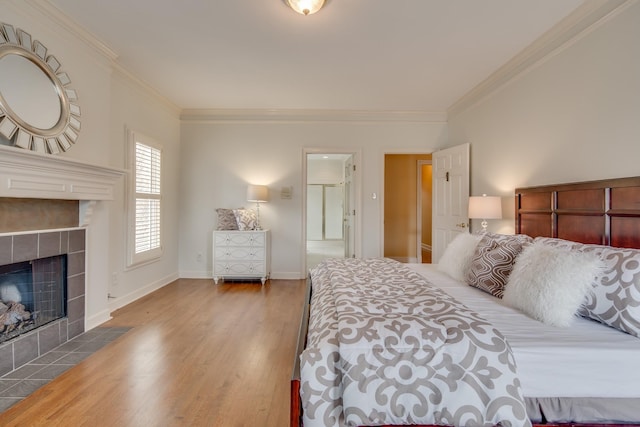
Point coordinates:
[[386, 347]]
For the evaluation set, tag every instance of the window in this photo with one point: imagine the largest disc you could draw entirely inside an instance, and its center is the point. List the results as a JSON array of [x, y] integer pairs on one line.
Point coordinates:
[[145, 207]]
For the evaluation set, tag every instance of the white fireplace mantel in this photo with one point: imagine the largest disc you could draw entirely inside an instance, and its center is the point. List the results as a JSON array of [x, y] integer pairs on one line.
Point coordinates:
[[29, 174]]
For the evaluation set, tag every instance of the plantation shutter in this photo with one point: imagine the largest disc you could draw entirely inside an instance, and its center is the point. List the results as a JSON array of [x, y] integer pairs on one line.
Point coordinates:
[[148, 195]]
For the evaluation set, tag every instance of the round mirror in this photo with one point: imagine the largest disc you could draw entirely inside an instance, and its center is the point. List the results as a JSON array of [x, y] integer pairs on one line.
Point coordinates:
[[37, 106], [37, 103]]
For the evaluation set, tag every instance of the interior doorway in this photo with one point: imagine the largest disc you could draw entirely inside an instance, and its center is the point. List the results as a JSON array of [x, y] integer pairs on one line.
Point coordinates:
[[329, 207], [407, 207]]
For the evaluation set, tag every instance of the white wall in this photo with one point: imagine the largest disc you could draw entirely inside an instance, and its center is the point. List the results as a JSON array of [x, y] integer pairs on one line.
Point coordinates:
[[219, 158], [140, 111], [325, 171], [573, 117], [108, 101]]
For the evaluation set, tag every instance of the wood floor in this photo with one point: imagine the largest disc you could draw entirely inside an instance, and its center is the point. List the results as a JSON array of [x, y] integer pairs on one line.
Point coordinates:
[[199, 354]]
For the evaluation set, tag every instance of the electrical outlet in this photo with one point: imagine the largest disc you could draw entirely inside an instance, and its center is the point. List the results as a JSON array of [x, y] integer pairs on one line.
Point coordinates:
[[199, 257]]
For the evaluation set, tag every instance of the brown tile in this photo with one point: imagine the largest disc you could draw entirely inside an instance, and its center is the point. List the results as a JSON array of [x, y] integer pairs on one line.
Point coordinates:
[[75, 310], [75, 286], [6, 244], [48, 244], [76, 240], [75, 263], [25, 247]]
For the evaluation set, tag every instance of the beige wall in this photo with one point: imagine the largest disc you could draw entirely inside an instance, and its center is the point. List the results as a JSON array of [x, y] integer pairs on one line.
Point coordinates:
[[572, 117]]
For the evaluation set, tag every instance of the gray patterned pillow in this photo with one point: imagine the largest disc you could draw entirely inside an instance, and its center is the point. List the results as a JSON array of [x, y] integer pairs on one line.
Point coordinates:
[[493, 261], [246, 219], [615, 297], [226, 219]]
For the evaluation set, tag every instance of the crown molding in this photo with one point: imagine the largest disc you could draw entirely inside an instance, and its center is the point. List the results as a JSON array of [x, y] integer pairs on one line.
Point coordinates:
[[51, 13], [277, 115], [47, 13], [590, 15]]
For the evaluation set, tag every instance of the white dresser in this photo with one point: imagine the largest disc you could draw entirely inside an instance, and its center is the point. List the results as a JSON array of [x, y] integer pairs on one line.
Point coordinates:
[[241, 255]]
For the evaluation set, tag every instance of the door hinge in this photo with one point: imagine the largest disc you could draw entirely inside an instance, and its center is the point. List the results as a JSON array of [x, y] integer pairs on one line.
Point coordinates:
[[354, 168], [354, 212], [447, 176]]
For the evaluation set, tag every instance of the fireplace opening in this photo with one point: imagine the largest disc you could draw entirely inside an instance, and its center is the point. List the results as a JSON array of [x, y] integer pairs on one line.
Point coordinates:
[[32, 294]]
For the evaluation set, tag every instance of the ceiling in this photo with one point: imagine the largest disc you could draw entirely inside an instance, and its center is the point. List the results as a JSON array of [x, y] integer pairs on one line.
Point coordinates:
[[363, 55]]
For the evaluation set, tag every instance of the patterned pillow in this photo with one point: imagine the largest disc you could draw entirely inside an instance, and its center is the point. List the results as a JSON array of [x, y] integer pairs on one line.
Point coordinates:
[[615, 298], [226, 219], [246, 219], [493, 260]]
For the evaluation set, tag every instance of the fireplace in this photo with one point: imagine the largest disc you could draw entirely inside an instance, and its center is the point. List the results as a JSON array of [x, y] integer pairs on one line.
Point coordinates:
[[57, 206], [33, 264], [32, 294]]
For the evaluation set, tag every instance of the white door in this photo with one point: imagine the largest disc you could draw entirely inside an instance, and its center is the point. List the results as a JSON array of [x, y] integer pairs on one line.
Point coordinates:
[[349, 211], [314, 212], [450, 196], [333, 212]]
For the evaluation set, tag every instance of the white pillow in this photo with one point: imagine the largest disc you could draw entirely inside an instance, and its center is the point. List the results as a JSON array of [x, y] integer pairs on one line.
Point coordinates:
[[457, 256], [550, 284]]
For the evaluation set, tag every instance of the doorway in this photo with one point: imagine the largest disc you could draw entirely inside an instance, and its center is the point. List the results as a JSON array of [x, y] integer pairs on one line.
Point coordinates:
[[407, 207], [329, 212]]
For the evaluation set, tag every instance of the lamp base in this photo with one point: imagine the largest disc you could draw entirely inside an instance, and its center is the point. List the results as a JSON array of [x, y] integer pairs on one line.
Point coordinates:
[[258, 226]]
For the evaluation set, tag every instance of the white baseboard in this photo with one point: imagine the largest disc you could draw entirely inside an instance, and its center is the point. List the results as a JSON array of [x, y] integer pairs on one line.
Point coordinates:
[[196, 275], [121, 301], [97, 319]]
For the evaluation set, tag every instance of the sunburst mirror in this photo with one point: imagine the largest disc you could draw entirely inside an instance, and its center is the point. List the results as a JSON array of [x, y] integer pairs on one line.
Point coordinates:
[[38, 108]]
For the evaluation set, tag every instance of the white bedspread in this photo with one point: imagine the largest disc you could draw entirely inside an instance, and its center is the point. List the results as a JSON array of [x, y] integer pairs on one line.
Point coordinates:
[[587, 359], [385, 346]]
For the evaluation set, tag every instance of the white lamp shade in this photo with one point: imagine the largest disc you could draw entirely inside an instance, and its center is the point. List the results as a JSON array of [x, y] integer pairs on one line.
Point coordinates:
[[485, 207], [257, 193]]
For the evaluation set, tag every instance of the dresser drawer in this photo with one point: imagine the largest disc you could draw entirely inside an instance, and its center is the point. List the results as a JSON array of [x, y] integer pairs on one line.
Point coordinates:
[[239, 268], [245, 238], [227, 253]]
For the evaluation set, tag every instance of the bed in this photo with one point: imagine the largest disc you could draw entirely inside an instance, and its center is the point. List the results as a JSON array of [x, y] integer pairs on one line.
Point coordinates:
[[535, 367]]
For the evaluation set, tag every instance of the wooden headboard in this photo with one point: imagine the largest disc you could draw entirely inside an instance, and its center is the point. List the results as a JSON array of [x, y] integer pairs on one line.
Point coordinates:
[[603, 212]]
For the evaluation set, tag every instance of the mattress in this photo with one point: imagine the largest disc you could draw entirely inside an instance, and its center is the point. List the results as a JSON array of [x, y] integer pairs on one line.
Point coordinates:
[[585, 360]]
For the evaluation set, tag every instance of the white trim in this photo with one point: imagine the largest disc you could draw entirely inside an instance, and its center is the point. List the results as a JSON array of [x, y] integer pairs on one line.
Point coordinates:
[[123, 300], [97, 319], [30, 174], [275, 115], [571, 29], [49, 15]]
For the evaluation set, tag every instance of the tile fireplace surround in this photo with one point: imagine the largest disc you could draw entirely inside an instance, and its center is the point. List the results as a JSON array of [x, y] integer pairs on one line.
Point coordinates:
[[28, 246], [29, 181]]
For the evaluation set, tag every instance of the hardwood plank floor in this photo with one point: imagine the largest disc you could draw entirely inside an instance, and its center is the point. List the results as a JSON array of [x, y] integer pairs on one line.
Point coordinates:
[[199, 354]]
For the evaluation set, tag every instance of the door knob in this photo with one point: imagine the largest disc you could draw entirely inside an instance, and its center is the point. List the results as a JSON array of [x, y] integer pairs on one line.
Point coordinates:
[[461, 225]]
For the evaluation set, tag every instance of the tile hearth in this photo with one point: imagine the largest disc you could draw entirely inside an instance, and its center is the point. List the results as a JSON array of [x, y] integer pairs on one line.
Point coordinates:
[[18, 384]]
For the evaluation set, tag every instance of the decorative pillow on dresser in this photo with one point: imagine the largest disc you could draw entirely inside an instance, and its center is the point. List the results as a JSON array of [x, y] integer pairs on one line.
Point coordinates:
[[456, 259], [493, 260], [615, 297], [226, 219], [246, 219], [551, 283]]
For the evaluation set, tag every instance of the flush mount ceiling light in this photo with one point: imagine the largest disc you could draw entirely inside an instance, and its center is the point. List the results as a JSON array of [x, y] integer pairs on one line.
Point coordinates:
[[305, 7]]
